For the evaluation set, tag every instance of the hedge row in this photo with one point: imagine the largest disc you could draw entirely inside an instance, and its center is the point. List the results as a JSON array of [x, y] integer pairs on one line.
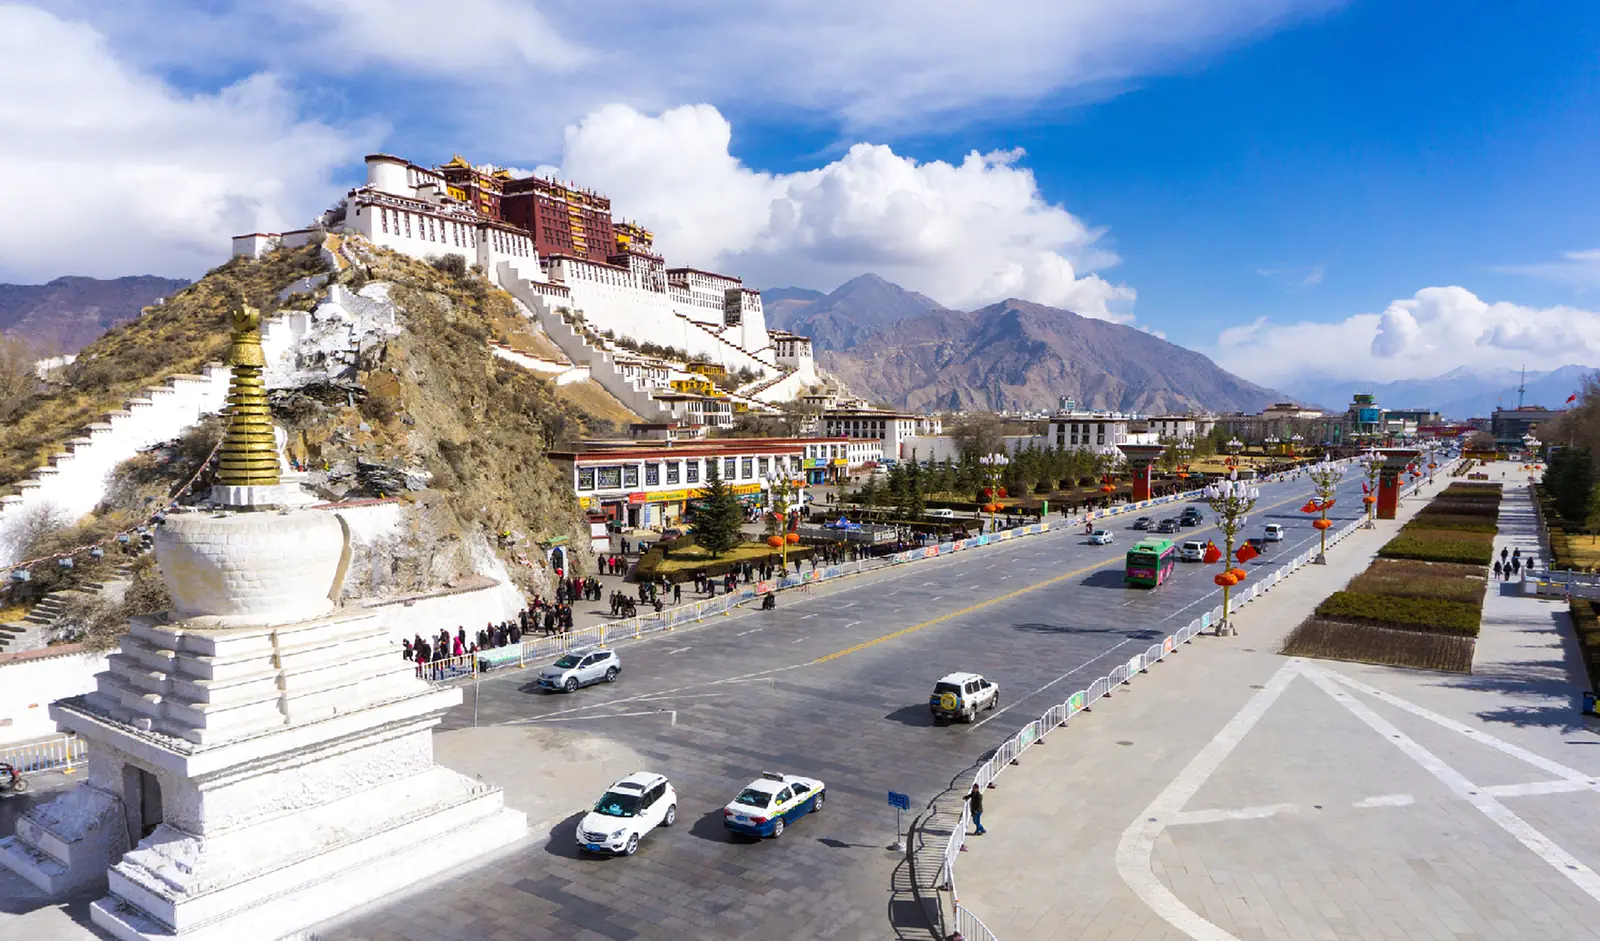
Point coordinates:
[[1454, 521], [1430, 615], [1437, 546]]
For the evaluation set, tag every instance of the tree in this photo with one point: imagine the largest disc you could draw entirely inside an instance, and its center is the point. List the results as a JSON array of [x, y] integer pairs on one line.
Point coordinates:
[[1480, 441], [1569, 478], [716, 514], [18, 383]]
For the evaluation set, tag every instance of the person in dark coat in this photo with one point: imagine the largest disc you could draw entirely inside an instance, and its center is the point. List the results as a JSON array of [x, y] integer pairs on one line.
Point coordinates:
[[974, 799]]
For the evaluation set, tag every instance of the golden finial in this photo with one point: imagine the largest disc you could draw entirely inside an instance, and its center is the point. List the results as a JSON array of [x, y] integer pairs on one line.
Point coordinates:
[[249, 452]]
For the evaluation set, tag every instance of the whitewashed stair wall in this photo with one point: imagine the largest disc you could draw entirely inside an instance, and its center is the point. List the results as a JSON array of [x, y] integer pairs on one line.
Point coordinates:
[[74, 482]]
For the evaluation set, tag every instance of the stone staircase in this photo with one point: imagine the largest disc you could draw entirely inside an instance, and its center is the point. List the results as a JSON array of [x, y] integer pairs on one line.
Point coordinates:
[[33, 631]]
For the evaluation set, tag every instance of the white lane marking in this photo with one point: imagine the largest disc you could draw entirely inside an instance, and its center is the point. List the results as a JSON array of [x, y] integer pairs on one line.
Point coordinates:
[[750, 631], [1241, 813], [1386, 800], [1138, 841], [1539, 787], [797, 640], [681, 696], [1523, 832], [746, 678], [852, 624], [805, 616], [1091, 661], [679, 649], [615, 715], [926, 584], [1515, 751], [852, 604]]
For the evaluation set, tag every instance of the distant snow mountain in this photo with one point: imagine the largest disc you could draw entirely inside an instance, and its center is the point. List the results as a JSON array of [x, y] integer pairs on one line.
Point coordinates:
[[1462, 392]]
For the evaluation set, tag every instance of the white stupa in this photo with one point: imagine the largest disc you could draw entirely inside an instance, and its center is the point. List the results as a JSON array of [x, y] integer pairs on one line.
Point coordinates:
[[267, 757]]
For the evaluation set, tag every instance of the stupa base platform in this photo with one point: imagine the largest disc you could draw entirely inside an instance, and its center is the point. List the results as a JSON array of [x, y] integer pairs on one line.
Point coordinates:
[[278, 903]]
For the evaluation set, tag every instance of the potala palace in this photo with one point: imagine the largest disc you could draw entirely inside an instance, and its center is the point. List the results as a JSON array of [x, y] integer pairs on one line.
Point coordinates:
[[593, 282]]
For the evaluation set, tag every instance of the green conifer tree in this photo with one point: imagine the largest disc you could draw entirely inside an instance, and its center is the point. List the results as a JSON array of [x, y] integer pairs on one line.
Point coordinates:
[[716, 515]]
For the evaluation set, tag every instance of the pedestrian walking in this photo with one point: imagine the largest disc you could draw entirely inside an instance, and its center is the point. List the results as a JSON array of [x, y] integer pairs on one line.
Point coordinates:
[[1516, 566], [974, 799], [1497, 569], [1503, 553]]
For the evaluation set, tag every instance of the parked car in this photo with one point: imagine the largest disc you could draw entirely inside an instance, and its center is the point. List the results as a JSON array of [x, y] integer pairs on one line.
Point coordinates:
[[582, 667], [961, 695], [1170, 525], [1192, 550], [941, 513], [626, 812], [771, 802], [1100, 537], [1260, 545], [1143, 522], [1274, 532]]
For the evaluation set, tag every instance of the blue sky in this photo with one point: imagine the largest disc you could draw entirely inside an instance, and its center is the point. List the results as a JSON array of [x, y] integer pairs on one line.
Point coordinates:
[[1373, 190]]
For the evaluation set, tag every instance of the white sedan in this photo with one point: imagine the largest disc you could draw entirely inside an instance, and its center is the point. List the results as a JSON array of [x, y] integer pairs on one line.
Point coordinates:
[[1100, 537], [772, 801], [627, 811]]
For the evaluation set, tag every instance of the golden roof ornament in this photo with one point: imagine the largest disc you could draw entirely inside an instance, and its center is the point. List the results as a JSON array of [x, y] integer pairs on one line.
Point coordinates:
[[249, 452]]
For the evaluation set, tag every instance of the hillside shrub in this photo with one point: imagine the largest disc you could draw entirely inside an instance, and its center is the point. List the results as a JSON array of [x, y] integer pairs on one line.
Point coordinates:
[[1433, 615]]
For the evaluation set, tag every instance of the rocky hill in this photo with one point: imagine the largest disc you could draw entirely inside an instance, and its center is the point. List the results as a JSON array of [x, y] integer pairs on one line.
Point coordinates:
[[1020, 355], [839, 320], [68, 313]]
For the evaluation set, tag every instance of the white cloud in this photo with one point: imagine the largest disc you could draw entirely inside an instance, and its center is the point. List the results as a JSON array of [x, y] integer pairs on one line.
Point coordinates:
[[965, 234], [1575, 269], [1436, 330], [865, 66], [113, 172]]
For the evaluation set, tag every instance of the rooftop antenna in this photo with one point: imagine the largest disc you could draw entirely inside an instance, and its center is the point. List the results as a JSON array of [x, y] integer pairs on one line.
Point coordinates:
[[1522, 386]]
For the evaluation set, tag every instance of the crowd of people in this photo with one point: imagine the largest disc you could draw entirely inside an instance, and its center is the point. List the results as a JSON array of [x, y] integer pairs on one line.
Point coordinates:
[[1511, 565]]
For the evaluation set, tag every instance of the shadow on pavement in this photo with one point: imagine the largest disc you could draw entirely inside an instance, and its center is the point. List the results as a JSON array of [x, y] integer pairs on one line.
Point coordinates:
[[709, 827], [1105, 579], [916, 716], [563, 839]]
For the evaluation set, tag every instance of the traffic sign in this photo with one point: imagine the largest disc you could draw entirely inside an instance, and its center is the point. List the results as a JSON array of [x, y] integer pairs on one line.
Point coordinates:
[[902, 801]]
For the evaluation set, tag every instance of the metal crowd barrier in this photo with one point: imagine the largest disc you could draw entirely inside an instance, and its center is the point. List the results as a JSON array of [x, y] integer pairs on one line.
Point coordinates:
[[58, 754], [968, 925]]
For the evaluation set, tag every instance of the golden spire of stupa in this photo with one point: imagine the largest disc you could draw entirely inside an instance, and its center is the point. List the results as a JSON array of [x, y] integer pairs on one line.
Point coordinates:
[[249, 452]]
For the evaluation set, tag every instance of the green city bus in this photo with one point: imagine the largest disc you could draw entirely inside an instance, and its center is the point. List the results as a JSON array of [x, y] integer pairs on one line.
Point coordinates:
[[1151, 562]]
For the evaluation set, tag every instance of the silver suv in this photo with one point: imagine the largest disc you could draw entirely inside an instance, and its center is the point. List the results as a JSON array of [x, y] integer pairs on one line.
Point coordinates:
[[961, 695], [581, 668]]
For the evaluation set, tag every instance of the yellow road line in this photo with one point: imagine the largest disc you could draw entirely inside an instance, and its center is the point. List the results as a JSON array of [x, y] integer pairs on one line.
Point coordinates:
[[1005, 597]]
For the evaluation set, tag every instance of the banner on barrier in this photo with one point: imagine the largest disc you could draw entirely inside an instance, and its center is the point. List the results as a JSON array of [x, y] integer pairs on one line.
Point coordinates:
[[1135, 664], [1026, 736], [1077, 701], [1168, 645], [1205, 621]]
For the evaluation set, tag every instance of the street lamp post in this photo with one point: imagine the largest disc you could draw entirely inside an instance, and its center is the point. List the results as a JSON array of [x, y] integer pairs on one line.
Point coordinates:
[[1325, 477], [994, 465], [1231, 500], [1372, 463], [781, 491]]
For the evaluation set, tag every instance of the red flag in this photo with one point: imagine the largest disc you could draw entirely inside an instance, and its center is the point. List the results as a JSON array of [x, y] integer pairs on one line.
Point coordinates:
[[1310, 507], [1245, 553], [1328, 504], [1212, 553], [1365, 487], [1572, 398]]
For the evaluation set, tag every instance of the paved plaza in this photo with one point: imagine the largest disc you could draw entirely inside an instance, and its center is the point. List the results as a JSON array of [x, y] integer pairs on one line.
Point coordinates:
[[1238, 794]]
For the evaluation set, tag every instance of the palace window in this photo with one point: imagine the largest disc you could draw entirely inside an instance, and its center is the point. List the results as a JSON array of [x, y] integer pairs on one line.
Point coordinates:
[[609, 478], [747, 468], [763, 464], [630, 475], [691, 471], [408, 223], [729, 467], [384, 214], [652, 475], [672, 472], [585, 478]]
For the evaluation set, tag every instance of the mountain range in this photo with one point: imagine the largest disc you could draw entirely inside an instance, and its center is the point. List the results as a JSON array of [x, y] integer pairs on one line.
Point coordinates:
[[901, 348], [66, 314], [1461, 393]]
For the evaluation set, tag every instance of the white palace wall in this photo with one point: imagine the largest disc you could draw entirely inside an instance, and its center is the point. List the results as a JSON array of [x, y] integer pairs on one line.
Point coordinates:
[[28, 685]]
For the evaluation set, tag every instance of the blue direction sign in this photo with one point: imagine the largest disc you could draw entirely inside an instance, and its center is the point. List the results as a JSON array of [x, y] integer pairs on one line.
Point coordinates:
[[896, 799]]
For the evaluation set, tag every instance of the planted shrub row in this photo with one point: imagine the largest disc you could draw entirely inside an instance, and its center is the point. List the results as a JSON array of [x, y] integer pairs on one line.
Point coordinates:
[[1397, 611]]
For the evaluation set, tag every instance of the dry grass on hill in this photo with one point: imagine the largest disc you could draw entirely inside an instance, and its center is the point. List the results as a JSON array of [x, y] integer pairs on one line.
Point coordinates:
[[174, 338]]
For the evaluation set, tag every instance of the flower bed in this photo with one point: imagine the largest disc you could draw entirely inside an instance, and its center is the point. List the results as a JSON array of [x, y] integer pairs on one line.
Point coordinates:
[[1440, 545], [1429, 615], [1409, 579]]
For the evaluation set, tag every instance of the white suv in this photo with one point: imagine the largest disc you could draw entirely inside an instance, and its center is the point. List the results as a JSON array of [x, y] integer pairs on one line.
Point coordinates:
[[961, 695], [581, 668], [627, 811]]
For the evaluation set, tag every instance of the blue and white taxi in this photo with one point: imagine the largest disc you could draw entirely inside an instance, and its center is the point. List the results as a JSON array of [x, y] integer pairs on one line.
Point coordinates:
[[772, 801]]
